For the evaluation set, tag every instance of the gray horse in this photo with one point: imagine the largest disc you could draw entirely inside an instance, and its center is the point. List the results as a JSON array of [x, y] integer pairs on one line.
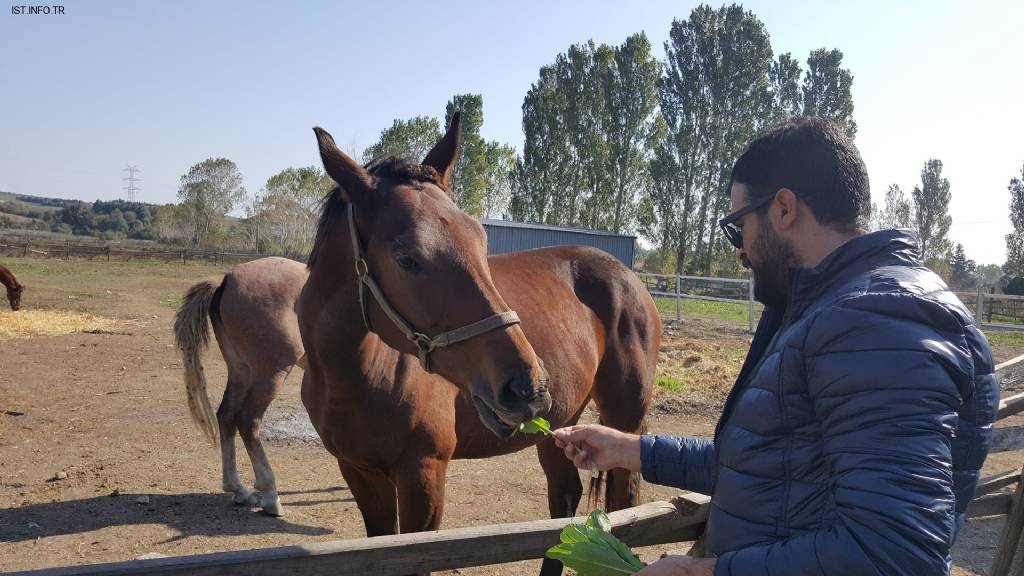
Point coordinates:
[[253, 315]]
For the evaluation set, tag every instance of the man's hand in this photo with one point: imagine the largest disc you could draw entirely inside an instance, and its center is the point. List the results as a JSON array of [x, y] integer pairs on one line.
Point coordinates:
[[676, 565], [596, 446]]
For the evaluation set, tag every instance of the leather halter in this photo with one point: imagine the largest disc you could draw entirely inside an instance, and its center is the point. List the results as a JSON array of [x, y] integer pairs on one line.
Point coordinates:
[[426, 344]]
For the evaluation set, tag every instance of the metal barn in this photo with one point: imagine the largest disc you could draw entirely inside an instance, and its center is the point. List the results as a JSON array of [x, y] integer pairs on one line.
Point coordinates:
[[505, 236]]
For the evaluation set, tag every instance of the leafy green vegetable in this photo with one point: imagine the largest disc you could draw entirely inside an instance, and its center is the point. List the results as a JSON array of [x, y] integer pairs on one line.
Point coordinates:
[[591, 550], [536, 426]]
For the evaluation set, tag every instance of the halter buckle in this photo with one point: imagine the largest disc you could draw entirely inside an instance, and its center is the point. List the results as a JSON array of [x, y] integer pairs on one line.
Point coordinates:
[[424, 342]]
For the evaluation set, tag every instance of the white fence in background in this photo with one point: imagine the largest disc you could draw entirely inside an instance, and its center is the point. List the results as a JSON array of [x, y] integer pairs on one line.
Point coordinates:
[[995, 311], [731, 290]]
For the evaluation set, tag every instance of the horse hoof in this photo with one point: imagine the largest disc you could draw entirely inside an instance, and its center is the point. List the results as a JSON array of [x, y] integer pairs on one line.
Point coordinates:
[[271, 504], [274, 510], [249, 499]]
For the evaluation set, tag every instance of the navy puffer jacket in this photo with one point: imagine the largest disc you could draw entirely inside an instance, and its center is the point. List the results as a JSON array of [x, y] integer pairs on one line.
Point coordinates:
[[852, 440]]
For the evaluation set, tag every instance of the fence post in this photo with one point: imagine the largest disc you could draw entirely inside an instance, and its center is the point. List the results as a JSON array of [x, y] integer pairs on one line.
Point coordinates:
[[1011, 536], [679, 311], [26, 249], [979, 307], [182, 256], [750, 303], [108, 253], [67, 249]]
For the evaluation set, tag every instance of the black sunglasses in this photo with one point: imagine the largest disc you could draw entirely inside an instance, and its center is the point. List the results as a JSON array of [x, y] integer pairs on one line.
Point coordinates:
[[728, 224]]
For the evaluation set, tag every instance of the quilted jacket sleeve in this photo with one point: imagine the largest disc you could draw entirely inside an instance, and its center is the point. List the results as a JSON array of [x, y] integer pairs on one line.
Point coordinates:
[[679, 461], [886, 378]]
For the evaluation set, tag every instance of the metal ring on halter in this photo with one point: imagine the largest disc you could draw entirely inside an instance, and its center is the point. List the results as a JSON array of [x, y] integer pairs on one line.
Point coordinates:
[[424, 342], [362, 268]]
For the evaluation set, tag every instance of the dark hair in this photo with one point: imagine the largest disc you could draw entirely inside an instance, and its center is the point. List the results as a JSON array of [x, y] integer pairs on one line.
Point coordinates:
[[815, 159], [402, 171], [395, 168]]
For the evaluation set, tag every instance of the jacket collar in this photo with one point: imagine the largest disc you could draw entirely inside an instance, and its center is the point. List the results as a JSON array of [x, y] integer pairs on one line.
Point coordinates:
[[863, 253]]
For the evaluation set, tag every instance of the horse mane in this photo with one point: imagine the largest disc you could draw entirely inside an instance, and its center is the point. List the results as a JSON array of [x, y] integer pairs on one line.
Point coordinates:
[[394, 168]]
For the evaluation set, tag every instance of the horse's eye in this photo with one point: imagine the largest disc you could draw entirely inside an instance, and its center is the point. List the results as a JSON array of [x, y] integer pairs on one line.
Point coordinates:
[[406, 262]]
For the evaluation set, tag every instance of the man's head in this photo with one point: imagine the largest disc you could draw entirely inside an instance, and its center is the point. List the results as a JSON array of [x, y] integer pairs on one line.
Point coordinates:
[[798, 192]]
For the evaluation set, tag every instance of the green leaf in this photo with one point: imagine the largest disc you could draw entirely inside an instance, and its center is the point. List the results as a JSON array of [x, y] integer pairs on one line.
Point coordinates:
[[591, 550], [591, 559], [536, 426], [598, 519]]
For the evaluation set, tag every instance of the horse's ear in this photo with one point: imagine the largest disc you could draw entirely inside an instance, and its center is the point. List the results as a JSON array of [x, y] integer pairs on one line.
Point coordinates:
[[443, 155], [346, 172]]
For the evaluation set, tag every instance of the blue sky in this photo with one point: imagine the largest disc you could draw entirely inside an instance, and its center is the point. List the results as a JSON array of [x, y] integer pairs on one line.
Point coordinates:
[[166, 84]]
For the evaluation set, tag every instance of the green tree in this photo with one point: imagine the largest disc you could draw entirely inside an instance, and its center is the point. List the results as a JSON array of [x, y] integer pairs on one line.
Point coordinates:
[[169, 223], [290, 208], [989, 274], [543, 167], [714, 96], [1015, 240], [632, 97], [897, 213], [588, 121], [78, 217], [409, 139], [787, 99], [501, 165], [207, 193], [826, 89], [962, 270], [931, 200], [470, 176]]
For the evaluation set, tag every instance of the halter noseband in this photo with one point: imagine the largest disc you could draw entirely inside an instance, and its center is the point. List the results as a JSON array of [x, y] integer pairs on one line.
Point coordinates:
[[425, 343]]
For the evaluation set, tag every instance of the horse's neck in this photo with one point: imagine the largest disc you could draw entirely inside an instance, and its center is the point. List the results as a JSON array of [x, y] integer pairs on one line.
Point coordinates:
[[7, 279], [335, 284]]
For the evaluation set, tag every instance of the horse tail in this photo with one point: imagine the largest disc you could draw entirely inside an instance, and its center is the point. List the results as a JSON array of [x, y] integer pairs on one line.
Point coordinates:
[[192, 335]]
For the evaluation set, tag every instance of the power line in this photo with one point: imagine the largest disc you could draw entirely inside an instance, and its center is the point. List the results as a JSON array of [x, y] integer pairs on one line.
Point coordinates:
[[131, 188]]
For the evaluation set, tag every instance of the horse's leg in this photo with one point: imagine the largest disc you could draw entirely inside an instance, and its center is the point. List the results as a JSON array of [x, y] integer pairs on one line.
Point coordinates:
[[564, 489], [420, 486], [622, 392], [420, 494], [262, 391], [227, 421], [376, 497]]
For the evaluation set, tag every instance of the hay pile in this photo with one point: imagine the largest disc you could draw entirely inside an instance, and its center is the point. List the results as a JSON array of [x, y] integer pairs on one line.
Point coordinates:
[[27, 323]]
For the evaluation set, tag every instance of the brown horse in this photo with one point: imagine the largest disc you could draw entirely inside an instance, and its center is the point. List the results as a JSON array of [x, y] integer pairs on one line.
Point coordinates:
[[14, 289], [415, 355], [253, 315]]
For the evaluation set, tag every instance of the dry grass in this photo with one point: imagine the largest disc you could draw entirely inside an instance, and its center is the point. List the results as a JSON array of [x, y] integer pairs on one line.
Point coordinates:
[[28, 323], [698, 364]]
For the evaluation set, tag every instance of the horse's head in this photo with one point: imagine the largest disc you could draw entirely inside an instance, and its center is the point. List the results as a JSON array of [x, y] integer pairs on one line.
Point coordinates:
[[14, 296], [421, 264]]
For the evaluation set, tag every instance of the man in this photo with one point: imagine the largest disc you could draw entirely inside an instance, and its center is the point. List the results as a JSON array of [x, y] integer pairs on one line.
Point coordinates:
[[852, 439]]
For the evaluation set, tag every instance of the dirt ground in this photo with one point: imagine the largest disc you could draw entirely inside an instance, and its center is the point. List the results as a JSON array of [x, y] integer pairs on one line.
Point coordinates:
[[99, 461]]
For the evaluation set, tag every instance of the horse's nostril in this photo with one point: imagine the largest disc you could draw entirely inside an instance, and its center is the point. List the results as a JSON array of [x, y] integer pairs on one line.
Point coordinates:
[[519, 389]]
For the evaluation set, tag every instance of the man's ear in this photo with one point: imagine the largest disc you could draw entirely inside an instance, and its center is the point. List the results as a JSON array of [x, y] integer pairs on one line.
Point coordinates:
[[787, 208]]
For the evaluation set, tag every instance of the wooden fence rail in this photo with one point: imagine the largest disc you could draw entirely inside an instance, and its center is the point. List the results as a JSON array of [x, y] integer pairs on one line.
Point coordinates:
[[68, 250], [646, 525]]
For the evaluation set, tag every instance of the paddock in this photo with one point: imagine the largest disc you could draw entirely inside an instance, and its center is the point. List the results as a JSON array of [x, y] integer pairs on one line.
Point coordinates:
[[100, 463]]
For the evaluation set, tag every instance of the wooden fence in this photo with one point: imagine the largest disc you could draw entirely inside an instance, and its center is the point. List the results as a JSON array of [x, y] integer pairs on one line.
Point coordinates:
[[733, 290], [68, 250], [681, 520], [995, 311]]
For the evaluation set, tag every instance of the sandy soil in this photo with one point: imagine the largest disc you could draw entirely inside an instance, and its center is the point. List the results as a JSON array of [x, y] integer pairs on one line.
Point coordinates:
[[99, 461]]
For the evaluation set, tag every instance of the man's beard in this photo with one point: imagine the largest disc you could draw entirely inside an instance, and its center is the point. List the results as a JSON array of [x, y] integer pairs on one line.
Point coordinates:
[[773, 266]]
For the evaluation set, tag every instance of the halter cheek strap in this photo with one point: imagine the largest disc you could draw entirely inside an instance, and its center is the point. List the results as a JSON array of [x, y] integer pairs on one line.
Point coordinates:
[[426, 344]]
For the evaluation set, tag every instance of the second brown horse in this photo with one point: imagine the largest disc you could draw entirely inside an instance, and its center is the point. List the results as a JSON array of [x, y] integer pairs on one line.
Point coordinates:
[[393, 409]]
